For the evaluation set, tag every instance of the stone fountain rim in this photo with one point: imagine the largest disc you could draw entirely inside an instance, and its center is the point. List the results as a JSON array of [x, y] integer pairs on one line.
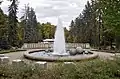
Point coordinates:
[[64, 58]]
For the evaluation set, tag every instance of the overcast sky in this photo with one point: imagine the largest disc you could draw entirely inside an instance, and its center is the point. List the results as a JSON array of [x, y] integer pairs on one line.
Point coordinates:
[[49, 10]]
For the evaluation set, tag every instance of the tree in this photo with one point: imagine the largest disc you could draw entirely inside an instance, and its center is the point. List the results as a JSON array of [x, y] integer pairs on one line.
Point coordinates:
[[98, 24], [20, 34], [3, 31], [30, 24], [13, 24], [47, 30], [88, 24], [111, 14], [71, 32], [83, 27], [40, 31], [3, 24]]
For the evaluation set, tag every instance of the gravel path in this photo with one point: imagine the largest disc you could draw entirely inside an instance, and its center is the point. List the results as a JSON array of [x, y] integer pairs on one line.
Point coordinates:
[[104, 55], [18, 55]]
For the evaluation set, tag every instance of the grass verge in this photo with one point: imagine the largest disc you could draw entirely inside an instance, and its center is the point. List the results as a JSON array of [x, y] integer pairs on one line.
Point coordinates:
[[10, 51]]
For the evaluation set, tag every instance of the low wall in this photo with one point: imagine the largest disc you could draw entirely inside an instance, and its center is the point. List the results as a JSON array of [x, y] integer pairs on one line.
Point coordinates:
[[50, 45], [80, 57]]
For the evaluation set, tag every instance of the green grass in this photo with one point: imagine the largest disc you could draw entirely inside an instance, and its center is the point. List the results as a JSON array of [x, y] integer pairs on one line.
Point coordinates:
[[10, 51], [92, 69]]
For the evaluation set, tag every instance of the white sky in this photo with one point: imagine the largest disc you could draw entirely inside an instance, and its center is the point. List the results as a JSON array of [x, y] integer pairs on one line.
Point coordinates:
[[49, 10]]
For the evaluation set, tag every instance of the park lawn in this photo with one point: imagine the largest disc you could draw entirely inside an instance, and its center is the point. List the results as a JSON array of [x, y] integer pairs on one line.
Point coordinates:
[[10, 51]]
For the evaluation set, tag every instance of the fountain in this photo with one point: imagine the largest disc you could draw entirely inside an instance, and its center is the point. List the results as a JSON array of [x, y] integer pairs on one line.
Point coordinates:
[[59, 42], [59, 52]]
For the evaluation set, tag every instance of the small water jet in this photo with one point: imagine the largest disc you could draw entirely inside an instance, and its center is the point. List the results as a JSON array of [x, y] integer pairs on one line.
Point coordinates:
[[59, 41]]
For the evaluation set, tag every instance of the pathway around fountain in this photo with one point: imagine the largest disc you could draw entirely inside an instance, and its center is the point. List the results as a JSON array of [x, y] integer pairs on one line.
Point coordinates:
[[105, 55], [19, 55]]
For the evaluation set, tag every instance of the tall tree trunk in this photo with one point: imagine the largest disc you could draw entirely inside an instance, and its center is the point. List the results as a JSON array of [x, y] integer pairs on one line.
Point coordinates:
[[118, 42]]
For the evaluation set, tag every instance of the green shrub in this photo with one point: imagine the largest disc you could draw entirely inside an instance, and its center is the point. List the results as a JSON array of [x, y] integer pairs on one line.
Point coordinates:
[[95, 69]]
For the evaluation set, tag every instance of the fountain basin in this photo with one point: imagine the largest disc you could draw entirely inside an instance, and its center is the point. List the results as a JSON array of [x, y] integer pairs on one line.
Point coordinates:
[[49, 57]]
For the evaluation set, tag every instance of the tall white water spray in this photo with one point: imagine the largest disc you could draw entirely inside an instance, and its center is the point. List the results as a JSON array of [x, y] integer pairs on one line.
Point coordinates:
[[59, 41]]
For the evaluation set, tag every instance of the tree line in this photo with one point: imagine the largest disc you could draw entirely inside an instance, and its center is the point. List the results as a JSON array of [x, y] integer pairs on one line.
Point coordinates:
[[14, 33], [98, 24]]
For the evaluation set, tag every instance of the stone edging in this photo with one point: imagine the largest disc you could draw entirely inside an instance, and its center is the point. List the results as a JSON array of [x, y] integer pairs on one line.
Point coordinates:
[[69, 58]]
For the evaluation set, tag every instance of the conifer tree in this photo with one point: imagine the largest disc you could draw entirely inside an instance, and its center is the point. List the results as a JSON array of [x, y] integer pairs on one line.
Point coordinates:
[[3, 31], [13, 24], [30, 25]]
